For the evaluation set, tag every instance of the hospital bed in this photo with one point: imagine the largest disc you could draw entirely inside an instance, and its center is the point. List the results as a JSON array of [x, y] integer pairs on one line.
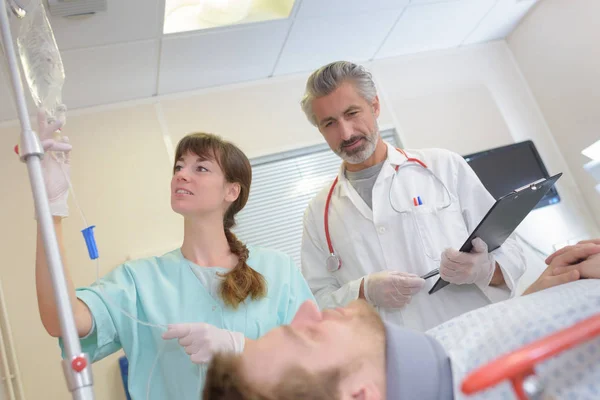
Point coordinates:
[[518, 366]]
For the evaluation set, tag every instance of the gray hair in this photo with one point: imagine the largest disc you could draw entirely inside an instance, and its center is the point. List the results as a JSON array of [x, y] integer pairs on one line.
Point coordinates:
[[328, 78]]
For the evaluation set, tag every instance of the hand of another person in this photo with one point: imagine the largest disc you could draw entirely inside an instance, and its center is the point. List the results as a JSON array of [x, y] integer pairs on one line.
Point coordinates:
[[572, 263], [463, 268], [201, 341], [391, 289], [588, 268], [569, 248]]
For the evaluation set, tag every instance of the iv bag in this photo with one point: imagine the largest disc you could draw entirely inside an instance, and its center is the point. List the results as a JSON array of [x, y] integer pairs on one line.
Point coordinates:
[[42, 64]]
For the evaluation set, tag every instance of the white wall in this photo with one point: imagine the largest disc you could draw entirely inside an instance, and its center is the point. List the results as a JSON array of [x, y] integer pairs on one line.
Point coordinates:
[[466, 100], [556, 47]]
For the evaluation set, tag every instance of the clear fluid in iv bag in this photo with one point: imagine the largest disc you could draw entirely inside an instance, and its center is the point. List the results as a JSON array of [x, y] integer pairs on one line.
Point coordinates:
[[42, 63]]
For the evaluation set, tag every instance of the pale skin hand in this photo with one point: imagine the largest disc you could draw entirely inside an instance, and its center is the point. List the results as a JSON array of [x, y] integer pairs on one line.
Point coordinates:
[[588, 269], [497, 280], [569, 248], [569, 264], [45, 292]]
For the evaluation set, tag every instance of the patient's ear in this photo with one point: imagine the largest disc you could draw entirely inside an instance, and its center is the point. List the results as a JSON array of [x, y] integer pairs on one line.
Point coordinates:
[[367, 391]]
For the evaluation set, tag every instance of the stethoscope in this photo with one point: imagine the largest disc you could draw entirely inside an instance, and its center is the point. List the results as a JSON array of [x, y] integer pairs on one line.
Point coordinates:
[[334, 262]]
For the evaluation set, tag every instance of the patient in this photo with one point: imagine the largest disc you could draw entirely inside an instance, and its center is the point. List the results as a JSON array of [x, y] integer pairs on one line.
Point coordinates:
[[349, 353]]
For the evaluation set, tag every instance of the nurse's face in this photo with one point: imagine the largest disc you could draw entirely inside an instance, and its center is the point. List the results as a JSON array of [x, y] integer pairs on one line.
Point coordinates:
[[348, 123], [315, 341], [199, 187]]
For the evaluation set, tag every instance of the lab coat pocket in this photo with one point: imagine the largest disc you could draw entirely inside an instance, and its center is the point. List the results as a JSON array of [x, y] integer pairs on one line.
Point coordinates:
[[439, 229]]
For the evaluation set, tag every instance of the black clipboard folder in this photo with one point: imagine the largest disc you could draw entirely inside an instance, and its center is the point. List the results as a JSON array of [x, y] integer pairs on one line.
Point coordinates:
[[502, 219]]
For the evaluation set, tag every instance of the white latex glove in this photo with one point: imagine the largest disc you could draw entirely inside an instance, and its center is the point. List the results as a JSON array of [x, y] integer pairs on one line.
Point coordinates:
[[464, 268], [391, 289], [201, 341], [56, 165]]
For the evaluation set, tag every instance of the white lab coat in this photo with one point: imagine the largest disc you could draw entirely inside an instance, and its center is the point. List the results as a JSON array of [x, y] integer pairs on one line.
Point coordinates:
[[374, 240]]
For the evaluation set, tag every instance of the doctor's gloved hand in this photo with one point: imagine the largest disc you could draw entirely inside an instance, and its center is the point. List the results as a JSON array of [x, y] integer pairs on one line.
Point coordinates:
[[56, 167], [391, 289], [463, 268], [201, 341]]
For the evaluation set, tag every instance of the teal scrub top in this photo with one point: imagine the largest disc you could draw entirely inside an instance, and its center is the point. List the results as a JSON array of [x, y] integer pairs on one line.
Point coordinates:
[[167, 290]]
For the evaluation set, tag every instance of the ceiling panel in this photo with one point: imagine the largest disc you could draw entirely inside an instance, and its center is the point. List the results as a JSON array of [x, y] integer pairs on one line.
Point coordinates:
[[502, 20], [417, 2], [220, 57], [320, 8], [114, 56], [124, 21], [91, 80], [314, 42], [434, 26]]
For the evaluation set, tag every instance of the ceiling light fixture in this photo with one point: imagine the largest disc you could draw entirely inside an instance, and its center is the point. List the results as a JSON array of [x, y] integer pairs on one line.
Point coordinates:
[[194, 15], [182, 15]]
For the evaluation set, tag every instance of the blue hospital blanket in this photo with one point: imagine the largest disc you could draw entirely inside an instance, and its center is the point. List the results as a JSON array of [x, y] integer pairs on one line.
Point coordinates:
[[480, 336]]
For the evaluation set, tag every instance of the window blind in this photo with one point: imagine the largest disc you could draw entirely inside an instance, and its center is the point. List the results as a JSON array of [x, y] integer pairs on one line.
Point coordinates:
[[282, 186]]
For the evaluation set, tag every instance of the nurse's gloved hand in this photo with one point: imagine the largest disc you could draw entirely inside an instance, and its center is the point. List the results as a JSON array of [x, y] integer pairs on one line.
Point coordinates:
[[201, 341], [464, 268], [56, 167], [391, 289]]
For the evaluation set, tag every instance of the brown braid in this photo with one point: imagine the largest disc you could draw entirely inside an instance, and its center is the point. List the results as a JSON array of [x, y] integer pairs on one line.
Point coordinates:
[[242, 281]]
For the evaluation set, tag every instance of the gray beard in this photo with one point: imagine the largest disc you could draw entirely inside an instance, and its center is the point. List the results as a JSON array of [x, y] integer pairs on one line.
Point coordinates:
[[361, 155]]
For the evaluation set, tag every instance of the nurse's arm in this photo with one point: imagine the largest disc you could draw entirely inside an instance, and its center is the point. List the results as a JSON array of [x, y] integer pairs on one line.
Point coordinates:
[[45, 290]]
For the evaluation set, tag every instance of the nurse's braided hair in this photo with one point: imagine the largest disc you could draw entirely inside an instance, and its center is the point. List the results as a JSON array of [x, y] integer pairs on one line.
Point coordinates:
[[242, 281]]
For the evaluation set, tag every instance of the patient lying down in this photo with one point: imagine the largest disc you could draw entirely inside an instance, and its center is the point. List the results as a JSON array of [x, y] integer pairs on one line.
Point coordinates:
[[349, 353]]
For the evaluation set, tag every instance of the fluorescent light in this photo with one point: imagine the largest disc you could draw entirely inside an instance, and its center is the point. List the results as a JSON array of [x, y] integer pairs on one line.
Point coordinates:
[[592, 151], [193, 15]]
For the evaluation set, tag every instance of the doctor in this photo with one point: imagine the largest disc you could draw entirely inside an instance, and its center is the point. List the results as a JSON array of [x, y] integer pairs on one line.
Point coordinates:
[[393, 215]]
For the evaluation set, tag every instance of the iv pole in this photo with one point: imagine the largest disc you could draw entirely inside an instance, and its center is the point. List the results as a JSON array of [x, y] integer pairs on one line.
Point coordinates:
[[76, 365]]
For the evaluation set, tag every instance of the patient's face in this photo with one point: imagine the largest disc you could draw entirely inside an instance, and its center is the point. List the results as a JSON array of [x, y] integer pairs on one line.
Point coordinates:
[[316, 341]]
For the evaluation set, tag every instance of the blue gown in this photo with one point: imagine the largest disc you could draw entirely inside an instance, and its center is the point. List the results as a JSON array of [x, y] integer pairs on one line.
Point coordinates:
[[170, 289]]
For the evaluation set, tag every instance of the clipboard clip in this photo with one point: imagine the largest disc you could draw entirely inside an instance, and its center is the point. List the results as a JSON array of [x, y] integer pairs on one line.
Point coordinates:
[[431, 274], [532, 185]]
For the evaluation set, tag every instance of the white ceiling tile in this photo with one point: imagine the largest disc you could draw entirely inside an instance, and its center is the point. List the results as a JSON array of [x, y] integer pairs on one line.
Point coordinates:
[[123, 21], [320, 8], [314, 42], [434, 26], [430, 1], [108, 74], [220, 57], [501, 21]]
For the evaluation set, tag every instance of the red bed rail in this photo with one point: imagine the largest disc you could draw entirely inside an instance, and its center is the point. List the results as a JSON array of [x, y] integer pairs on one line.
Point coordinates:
[[519, 364]]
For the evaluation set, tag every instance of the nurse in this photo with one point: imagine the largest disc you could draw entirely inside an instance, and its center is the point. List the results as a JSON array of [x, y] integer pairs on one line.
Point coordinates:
[[393, 215], [218, 292]]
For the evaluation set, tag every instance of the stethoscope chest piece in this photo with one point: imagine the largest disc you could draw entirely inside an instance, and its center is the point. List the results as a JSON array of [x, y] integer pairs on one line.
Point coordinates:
[[333, 263]]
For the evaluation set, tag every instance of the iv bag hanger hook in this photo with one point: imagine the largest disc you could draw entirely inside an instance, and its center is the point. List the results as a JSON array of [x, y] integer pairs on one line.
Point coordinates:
[[17, 8]]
